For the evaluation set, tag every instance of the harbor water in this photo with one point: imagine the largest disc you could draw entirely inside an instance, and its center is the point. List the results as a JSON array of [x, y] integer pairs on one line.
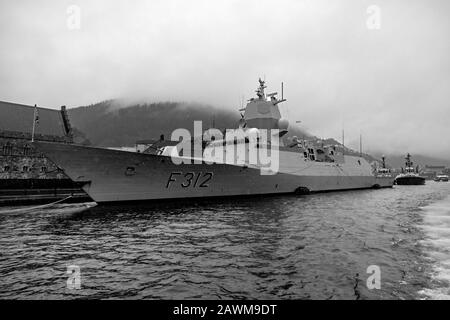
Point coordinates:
[[317, 246]]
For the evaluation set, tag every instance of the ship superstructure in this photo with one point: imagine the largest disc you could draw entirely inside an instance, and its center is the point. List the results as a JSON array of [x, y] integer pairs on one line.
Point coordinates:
[[383, 171], [253, 159]]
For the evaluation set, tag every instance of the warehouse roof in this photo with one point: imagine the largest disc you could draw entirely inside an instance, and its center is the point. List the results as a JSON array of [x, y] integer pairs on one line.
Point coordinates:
[[18, 118]]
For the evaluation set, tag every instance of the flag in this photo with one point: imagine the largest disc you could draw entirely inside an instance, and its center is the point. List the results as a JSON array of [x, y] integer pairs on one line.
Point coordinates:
[[35, 121], [36, 114]]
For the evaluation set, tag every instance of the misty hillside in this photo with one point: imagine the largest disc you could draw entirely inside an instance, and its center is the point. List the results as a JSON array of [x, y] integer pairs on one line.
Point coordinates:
[[115, 124], [398, 161], [108, 124]]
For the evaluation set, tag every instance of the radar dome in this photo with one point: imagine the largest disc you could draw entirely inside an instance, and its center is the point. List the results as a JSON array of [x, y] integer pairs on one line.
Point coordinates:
[[253, 132], [283, 124]]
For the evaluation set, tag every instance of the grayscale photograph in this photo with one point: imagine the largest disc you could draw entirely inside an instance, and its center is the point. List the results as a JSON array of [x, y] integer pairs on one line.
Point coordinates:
[[252, 151]]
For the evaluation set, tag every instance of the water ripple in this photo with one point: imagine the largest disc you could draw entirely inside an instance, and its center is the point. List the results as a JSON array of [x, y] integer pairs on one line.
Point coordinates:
[[288, 247]]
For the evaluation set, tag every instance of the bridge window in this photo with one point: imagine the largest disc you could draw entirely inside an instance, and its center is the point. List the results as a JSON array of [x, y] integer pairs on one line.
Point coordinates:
[[26, 150], [7, 149]]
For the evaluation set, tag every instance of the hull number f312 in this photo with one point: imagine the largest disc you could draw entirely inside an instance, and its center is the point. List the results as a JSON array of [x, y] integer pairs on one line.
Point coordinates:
[[189, 179]]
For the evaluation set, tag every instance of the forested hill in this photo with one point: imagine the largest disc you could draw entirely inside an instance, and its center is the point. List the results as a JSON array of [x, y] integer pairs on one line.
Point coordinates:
[[111, 125], [114, 124]]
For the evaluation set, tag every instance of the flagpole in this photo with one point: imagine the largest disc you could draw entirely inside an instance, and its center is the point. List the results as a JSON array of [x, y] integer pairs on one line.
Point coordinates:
[[360, 144], [34, 123]]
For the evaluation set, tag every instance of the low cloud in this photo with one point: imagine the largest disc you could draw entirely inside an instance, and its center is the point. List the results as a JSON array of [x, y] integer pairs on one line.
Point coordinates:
[[389, 84]]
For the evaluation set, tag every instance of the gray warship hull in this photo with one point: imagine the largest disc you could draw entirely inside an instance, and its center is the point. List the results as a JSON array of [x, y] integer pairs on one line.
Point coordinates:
[[120, 176]]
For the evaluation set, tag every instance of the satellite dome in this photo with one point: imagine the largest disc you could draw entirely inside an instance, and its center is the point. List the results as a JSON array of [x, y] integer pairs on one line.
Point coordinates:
[[283, 124], [253, 132]]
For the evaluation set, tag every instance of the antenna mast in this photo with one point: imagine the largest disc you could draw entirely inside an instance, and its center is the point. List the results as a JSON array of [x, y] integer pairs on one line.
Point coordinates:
[[360, 144]]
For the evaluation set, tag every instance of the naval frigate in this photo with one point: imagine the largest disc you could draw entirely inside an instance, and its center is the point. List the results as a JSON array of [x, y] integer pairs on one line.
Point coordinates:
[[162, 171]]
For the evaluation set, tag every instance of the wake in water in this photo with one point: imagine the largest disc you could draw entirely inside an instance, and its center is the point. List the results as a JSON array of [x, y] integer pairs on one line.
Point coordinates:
[[436, 224]]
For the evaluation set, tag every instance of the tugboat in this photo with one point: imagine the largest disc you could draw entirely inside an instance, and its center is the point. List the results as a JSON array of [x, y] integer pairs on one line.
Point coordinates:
[[383, 172], [228, 165], [410, 176]]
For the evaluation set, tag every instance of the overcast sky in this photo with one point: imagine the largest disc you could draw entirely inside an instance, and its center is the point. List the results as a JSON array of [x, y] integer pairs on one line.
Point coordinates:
[[392, 83]]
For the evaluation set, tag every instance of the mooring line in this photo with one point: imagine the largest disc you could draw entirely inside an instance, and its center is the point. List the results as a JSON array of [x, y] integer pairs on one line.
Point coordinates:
[[34, 208]]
